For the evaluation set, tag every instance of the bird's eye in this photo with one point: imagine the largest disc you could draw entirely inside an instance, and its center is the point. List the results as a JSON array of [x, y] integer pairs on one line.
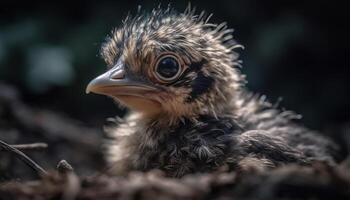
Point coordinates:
[[168, 68]]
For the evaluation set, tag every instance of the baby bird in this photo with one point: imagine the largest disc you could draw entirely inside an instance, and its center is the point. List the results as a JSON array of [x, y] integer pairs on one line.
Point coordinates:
[[189, 109]]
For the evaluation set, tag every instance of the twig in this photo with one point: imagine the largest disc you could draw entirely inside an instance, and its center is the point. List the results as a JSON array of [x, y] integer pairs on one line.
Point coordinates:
[[72, 186], [23, 158], [33, 146], [64, 167]]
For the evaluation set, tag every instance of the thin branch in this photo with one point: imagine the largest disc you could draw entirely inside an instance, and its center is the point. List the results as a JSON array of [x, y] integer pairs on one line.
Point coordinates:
[[33, 146], [23, 158]]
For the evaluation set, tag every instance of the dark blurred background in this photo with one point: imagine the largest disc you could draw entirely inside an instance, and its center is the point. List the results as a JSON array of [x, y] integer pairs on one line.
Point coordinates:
[[297, 50]]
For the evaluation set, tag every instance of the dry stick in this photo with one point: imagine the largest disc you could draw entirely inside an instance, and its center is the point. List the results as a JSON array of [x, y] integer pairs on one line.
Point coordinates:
[[33, 146], [23, 158]]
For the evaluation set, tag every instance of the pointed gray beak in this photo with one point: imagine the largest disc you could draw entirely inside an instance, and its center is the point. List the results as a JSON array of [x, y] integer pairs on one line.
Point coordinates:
[[115, 82]]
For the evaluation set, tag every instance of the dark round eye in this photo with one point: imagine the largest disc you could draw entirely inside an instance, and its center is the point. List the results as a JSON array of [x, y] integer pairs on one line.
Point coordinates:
[[168, 68]]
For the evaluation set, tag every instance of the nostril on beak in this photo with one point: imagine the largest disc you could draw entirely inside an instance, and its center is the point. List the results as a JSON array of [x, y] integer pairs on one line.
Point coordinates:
[[118, 74]]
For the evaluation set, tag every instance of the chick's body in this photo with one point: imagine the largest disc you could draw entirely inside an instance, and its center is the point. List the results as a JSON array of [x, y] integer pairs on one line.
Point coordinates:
[[190, 111]]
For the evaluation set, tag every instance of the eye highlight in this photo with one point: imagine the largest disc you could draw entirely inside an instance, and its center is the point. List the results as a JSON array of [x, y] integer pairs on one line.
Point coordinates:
[[167, 68]]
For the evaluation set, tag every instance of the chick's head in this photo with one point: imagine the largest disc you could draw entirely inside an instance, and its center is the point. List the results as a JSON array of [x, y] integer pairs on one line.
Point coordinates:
[[170, 63]]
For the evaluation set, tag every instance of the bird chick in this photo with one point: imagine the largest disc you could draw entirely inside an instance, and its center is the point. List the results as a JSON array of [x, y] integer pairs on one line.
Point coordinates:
[[189, 109]]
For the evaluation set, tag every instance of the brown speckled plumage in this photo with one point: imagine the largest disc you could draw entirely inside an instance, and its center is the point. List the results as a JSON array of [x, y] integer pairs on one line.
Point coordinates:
[[205, 118]]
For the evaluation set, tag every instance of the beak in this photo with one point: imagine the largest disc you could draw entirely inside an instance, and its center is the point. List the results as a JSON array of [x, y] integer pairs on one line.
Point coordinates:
[[116, 83]]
